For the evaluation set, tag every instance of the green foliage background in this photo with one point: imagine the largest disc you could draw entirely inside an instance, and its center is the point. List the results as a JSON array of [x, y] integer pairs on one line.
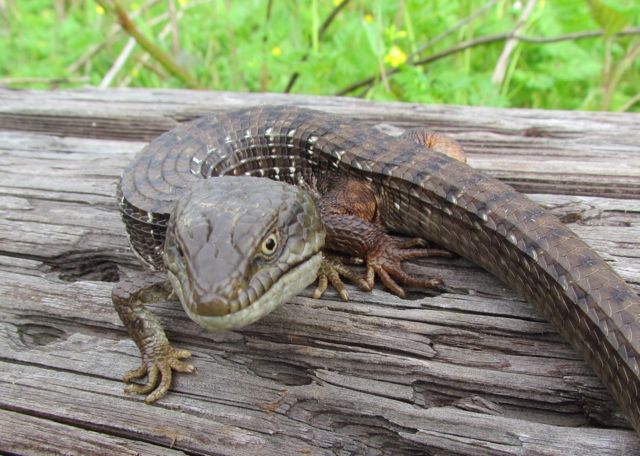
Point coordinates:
[[256, 45]]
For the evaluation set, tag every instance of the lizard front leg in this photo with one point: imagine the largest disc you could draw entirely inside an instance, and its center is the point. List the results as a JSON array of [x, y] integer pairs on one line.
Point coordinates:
[[159, 358], [332, 270]]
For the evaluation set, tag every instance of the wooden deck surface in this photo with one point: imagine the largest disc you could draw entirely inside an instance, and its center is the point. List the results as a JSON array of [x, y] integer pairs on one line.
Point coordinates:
[[473, 371]]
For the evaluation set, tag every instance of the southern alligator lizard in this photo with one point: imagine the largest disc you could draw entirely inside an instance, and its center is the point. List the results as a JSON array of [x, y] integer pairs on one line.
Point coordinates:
[[230, 265]]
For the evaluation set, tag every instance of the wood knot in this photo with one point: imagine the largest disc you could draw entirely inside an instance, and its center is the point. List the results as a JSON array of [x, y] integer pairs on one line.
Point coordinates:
[[32, 335]]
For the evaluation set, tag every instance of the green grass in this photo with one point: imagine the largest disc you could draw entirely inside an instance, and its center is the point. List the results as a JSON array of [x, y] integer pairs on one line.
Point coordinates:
[[237, 45]]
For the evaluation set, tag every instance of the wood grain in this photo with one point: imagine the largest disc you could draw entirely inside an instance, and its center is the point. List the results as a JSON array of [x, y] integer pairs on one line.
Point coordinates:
[[474, 370]]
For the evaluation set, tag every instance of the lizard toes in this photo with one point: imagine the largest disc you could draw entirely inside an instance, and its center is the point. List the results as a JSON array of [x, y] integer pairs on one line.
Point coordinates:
[[135, 373], [159, 369], [153, 372]]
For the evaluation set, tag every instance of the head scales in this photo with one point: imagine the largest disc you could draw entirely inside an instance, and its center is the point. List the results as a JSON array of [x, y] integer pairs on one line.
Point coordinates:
[[215, 248]]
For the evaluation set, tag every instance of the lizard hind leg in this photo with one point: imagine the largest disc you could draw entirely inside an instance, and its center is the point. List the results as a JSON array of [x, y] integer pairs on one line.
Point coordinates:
[[436, 141], [386, 258]]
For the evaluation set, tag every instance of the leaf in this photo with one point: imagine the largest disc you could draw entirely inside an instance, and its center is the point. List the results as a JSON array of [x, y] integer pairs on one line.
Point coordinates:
[[611, 20]]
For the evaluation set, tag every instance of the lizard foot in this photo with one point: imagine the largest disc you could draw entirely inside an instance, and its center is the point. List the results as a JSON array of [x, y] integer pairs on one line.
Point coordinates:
[[158, 367], [386, 261], [331, 271]]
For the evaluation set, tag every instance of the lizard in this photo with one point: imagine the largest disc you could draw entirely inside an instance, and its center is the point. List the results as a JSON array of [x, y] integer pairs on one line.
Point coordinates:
[[235, 245]]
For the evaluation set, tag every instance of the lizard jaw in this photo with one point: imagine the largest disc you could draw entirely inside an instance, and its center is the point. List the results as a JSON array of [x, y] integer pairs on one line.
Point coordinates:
[[288, 286]]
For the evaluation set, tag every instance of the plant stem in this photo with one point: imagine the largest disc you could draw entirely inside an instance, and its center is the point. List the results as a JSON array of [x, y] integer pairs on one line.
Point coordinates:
[[629, 104], [503, 61], [479, 12], [487, 39], [162, 57], [323, 28]]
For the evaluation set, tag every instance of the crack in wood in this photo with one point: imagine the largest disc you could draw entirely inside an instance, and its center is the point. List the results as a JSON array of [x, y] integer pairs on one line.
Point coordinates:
[[73, 266]]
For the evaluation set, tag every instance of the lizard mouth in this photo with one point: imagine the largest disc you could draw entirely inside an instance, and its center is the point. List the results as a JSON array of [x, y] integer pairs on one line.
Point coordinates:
[[286, 287]]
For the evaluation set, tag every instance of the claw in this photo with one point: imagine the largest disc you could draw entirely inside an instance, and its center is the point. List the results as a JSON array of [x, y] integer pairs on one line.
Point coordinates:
[[135, 373], [158, 367], [163, 387], [147, 387], [331, 271], [390, 283], [386, 262], [323, 283]]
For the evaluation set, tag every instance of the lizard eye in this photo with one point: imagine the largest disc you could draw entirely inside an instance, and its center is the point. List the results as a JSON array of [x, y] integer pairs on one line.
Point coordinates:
[[269, 245]]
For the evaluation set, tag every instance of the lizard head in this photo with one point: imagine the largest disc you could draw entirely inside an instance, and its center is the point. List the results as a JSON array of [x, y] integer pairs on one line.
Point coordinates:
[[237, 247]]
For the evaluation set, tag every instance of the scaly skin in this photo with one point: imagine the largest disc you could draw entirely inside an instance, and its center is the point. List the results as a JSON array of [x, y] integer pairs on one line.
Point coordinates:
[[418, 193], [159, 358]]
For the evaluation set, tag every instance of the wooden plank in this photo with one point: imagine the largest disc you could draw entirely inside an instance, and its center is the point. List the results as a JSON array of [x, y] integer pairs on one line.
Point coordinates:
[[26, 434], [330, 418], [534, 150], [474, 370]]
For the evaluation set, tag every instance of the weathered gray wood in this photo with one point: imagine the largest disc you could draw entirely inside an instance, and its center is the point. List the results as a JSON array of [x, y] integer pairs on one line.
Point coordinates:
[[474, 370], [535, 150], [26, 434]]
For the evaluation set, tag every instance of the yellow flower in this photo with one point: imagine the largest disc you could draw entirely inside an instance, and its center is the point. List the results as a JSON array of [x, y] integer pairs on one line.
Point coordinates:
[[276, 51], [99, 9], [368, 18], [182, 2], [336, 2], [395, 57]]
